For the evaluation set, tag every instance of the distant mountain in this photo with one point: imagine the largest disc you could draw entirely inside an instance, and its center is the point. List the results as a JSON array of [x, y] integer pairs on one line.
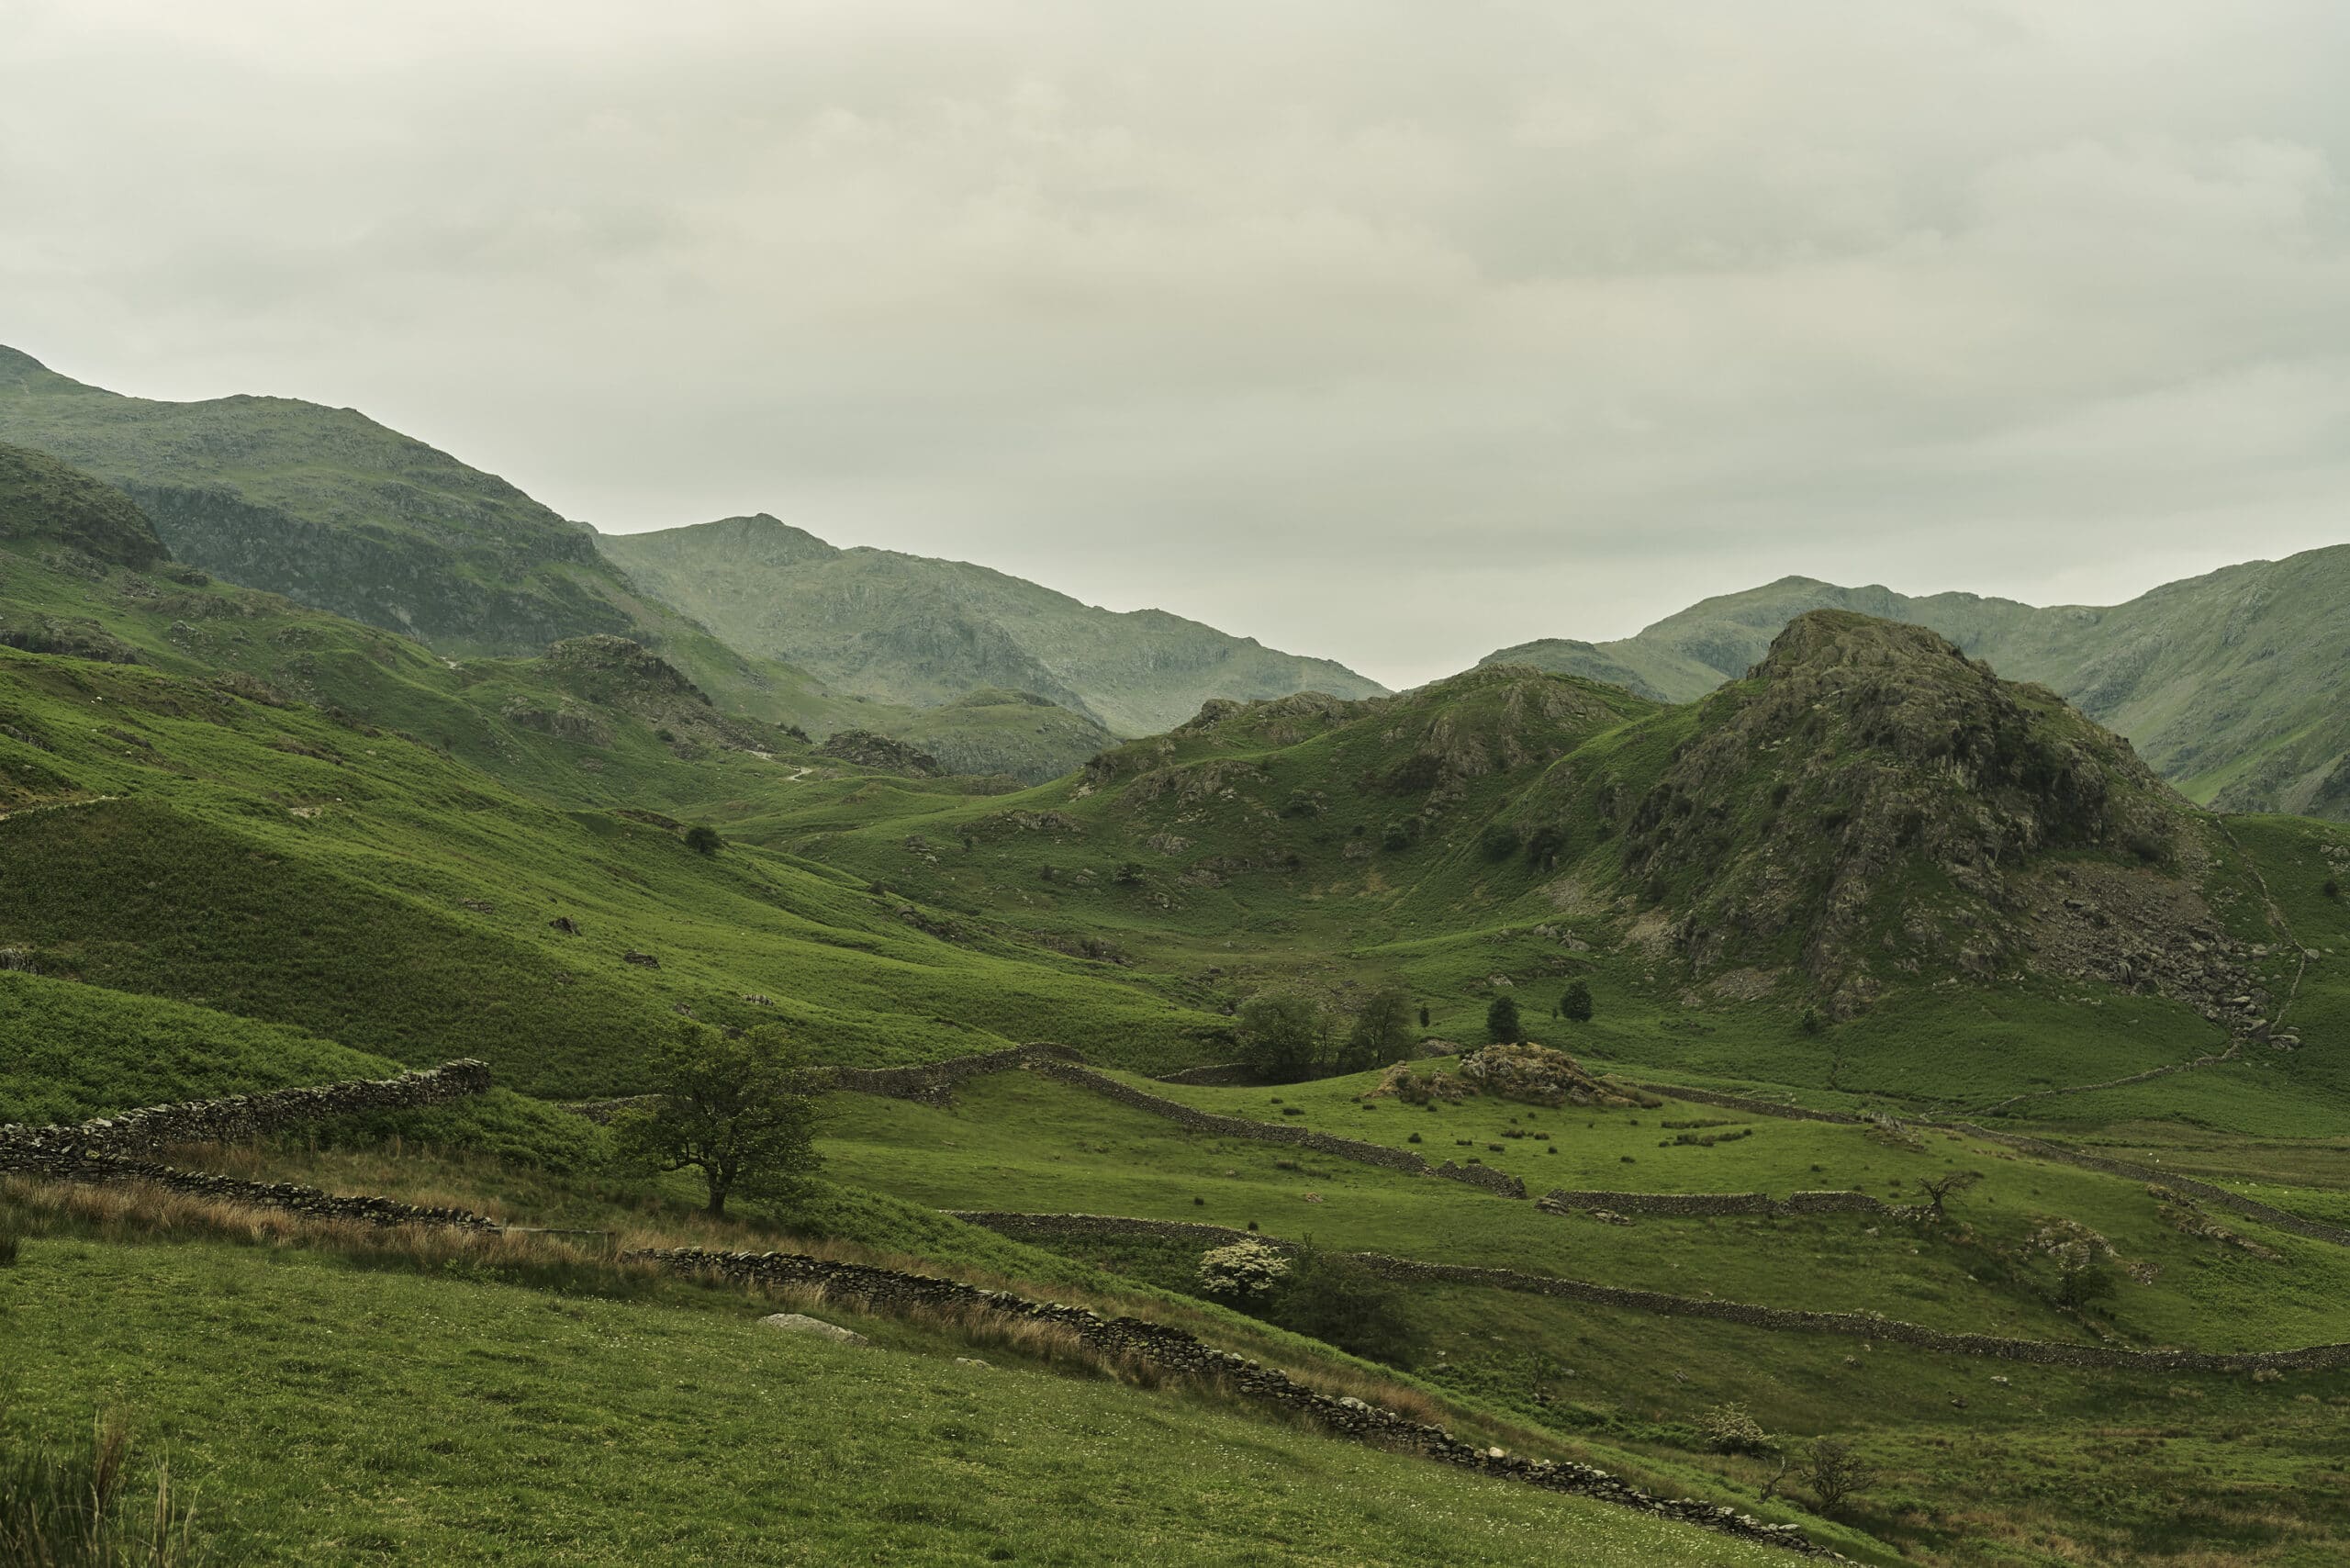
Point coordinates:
[[912, 629], [2235, 685]]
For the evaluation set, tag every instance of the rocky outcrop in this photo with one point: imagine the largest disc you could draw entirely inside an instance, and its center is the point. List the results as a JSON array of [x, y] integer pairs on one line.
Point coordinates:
[[867, 749], [41, 498], [1539, 1076]]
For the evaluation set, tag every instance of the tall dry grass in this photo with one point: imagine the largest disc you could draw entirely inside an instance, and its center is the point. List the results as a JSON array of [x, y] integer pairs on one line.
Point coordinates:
[[83, 1508]]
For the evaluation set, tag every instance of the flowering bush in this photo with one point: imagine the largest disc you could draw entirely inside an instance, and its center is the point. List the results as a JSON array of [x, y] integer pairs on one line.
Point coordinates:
[[1243, 1271]]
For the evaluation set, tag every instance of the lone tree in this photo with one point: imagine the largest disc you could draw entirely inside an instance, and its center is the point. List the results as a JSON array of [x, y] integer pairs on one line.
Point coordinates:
[[1834, 1472], [1940, 1190], [1383, 1030], [2332, 887], [1424, 1015], [1284, 1035], [1575, 1005], [703, 839], [1501, 1022], [736, 1110]]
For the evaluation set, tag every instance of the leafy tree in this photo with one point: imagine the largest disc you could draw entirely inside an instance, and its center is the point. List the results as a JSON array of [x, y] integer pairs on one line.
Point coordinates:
[[703, 839], [736, 1110], [1284, 1035], [1835, 1470], [1341, 1302], [1423, 1017], [1502, 1025], [1383, 1029], [1575, 1005]]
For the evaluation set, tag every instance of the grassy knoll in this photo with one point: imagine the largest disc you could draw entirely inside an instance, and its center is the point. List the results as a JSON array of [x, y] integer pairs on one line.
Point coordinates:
[[74, 1052]]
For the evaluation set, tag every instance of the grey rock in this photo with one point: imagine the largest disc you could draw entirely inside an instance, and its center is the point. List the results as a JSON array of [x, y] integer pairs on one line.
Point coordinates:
[[799, 1323]]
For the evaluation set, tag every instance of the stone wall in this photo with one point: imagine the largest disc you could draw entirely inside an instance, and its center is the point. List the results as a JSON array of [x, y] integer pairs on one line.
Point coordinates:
[[1014, 1223], [95, 1150], [1759, 1107], [1215, 1075], [2203, 1191], [1173, 1351], [932, 1083], [1852, 1324], [249, 1115], [1200, 1121], [1697, 1204]]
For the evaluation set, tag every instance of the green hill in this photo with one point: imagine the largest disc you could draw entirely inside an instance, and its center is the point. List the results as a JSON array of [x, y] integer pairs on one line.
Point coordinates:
[[339, 513], [912, 629], [2231, 684]]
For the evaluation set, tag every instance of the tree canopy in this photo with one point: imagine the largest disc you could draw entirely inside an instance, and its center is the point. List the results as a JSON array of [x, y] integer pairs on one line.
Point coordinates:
[[737, 1109]]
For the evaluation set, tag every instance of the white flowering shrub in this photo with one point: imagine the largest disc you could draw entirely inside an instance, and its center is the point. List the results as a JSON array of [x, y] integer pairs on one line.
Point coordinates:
[[1245, 1270]]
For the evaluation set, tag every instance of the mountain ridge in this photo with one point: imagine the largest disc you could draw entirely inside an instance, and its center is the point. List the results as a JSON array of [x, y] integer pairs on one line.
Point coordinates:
[[2231, 684], [776, 589]]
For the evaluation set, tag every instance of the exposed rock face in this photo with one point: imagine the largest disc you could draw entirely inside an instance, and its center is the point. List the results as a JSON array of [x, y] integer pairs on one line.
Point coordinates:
[[868, 750], [1871, 802]]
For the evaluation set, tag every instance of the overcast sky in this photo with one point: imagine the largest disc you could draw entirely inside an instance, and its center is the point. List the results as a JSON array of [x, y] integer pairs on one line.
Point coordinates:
[[1392, 332]]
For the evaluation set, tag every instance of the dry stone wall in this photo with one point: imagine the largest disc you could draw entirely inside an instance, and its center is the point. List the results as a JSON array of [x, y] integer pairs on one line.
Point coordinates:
[[1683, 1205], [95, 1150], [1173, 1351], [249, 1115], [2316, 1230], [1208, 1121], [1852, 1324], [932, 1083]]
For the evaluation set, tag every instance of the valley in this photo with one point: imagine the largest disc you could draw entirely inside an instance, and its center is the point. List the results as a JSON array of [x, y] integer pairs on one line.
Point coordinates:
[[1947, 1083]]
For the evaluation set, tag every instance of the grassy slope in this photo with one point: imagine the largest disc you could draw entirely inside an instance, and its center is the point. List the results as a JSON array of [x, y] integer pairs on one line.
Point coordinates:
[[504, 1424], [171, 862], [1989, 1472], [74, 1051]]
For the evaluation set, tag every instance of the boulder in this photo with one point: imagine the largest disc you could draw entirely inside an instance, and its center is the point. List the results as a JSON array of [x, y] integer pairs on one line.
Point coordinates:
[[799, 1323]]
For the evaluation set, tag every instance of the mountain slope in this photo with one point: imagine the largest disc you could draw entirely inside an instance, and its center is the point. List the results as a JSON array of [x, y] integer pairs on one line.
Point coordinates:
[[2235, 685], [913, 630]]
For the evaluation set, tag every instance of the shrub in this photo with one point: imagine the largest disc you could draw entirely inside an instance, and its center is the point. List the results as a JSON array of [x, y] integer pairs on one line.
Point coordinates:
[[1834, 1471], [1283, 1033], [1500, 840], [1413, 1139], [1341, 1302], [703, 840], [1293, 1110], [1575, 1005], [1395, 836], [1244, 1272], [2332, 889], [1423, 1017], [1812, 1022], [1731, 1429]]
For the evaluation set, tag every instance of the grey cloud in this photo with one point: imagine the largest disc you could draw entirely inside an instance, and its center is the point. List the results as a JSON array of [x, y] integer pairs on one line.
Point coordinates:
[[1392, 332]]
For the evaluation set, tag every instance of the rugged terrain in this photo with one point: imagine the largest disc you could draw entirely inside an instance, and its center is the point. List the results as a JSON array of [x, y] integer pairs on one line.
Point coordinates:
[[2230, 684]]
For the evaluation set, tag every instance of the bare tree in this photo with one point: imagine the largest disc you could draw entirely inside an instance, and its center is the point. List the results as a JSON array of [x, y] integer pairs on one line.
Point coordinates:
[[1941, 1189], [1834, 1473]]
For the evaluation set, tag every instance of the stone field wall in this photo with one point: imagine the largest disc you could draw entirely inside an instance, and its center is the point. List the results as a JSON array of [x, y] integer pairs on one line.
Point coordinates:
[[1174, 1350]]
